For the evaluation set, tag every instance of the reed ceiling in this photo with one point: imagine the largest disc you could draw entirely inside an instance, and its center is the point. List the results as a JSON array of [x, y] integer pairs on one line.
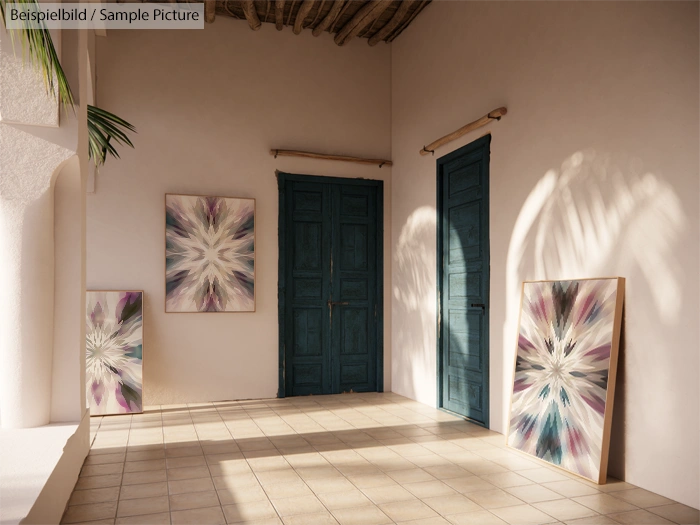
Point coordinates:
[[374, 20]]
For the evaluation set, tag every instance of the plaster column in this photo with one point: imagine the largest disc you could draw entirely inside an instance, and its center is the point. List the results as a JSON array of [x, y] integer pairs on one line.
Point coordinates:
[[30, 155]]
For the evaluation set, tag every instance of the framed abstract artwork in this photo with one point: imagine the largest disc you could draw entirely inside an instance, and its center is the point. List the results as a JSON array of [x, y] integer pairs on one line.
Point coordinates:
[[114, 352], [565, 366], [209, 254]]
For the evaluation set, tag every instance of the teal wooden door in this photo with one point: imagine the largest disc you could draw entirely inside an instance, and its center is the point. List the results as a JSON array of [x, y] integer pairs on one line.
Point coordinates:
[[463, 281], [329, 285]]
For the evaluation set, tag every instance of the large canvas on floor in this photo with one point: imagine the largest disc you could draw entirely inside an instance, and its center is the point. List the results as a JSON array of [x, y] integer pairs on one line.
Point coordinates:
[[210, 254], [114, 352], [564, 382]]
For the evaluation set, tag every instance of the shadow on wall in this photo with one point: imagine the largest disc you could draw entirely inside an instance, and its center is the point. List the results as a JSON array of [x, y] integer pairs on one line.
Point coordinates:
[[415, 305], [600, 216]]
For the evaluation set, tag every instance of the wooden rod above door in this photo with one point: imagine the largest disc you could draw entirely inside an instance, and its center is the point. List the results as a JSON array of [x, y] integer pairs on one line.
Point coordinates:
[[496, 114], [323, 156]]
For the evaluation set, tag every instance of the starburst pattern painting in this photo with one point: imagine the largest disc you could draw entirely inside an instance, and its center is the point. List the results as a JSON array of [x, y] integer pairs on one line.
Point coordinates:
[[565, 373], [209, 254], [114, 352]]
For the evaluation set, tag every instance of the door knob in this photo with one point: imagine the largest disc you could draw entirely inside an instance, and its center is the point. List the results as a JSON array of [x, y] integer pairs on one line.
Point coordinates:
[[338, 303]]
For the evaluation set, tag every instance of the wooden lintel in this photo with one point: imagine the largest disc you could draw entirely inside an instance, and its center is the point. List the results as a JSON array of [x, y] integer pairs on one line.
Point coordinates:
[[367, 14], [251, 15], [209, 11], [336, 6], [392, 24], [304, 10], [496, 114], [279, 14], [323, 156]]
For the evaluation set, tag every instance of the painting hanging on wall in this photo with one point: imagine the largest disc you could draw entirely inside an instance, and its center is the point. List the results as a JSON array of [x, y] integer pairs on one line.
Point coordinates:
[[209, 254], [564, 382], [114, 352]]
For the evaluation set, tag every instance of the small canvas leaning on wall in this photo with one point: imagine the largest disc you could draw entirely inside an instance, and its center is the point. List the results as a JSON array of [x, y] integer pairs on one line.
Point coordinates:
[[564, 382], [114, 352], [209, 254]]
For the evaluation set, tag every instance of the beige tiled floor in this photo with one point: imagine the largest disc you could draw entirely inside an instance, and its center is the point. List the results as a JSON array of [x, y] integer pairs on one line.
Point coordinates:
[[358, 459]]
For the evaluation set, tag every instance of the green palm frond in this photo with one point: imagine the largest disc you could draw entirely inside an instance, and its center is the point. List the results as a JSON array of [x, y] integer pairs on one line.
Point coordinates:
[[103, 126]]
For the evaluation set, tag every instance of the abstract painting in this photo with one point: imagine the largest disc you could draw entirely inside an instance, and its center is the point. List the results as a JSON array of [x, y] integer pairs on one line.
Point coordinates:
[[209, 254], [114, 352], [564, 383]]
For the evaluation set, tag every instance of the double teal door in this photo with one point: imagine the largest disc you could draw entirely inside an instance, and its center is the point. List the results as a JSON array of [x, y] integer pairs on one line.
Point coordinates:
[[463, 281], [330, 303]]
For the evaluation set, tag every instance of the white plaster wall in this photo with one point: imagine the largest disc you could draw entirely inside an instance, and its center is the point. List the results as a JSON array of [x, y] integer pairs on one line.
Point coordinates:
[[208, 106], [594, 172]]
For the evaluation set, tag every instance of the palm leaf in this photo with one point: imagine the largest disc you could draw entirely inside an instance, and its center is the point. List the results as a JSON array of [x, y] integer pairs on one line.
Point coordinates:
[[103, 126]]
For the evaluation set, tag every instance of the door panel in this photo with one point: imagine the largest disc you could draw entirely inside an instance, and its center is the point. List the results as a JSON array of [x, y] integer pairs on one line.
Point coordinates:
[[329, 275], [307, 317], [463, 277]]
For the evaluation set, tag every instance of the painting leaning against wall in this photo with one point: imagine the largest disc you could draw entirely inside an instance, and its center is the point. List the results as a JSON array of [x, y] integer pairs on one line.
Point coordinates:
[[114, 352], [564, 382], [209, 254]]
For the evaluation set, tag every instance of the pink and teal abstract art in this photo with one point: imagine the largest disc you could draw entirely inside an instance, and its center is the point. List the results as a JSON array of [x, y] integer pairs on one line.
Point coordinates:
[[565, 367], [114, 352], [209, 254]]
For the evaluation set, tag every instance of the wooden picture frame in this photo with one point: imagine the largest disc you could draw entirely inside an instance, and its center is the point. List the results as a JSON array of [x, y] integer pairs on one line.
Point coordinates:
[[241, 302], [566, 352]]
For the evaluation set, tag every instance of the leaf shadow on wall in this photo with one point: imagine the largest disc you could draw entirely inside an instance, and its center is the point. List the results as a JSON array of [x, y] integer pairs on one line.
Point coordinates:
[[603, 216], [415, 304]]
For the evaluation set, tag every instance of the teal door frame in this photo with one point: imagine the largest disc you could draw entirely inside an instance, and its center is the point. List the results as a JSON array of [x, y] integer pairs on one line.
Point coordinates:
[[282, 179], [482, 143]]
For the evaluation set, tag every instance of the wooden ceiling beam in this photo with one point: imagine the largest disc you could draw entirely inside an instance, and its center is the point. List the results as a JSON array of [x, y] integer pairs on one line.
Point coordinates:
[[304, 10], [279, 14], [251, 15], [408, 21], [392, 24], [366, 15], [336, 6], [209, 11]]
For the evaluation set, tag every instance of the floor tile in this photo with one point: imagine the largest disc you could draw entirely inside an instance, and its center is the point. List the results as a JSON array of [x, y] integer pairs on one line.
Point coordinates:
[[642, 498], [142, 466], [428, 489], [145, 490], [162, 518], [94, 482], [407, 510], [289, 489], [452, 504], [570, 488], [242, 494], [102, 470], [90, 512], [493, 499], [639, 517], [506, 479], [343, 500], [678, 513], [194, 500], [361, 516], [323, 518], [533, 493], [446, 471], [523, 515], [298, 505], [604, 504], [564, 509], [434, 520], [593, 520], [206, 516], [251, 511], [190, 485], [410, 476], [137, 507], [186, 461], [139, 478], [469, 484], [483, 517], [326, 485], [542, 475], [81, 497], [387, 494]]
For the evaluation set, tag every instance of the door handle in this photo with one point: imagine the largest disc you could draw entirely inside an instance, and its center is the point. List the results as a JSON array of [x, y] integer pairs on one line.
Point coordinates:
[[479, 305], [338, 303]]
